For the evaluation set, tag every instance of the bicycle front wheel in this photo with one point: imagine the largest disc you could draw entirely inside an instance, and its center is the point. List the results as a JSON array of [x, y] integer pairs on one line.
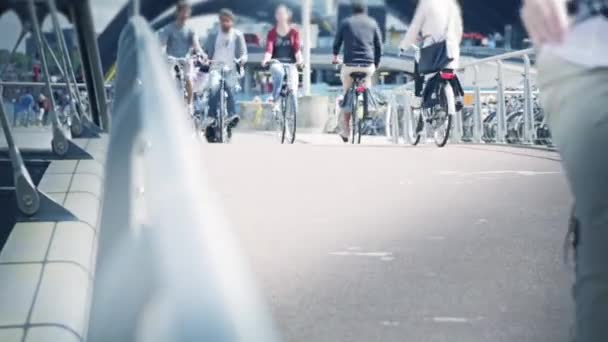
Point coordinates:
[[279, 121], [290, 118]]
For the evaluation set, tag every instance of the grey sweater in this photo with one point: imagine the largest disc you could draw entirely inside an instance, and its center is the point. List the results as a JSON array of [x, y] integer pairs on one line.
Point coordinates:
[[362, 40], [240, 51]]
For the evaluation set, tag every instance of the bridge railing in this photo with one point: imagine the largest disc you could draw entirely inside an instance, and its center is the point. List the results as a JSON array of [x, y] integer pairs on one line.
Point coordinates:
[[402, 98], [168, 268]]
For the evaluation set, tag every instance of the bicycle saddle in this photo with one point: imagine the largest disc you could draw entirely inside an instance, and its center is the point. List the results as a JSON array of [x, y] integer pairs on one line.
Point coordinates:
[[358, 75]]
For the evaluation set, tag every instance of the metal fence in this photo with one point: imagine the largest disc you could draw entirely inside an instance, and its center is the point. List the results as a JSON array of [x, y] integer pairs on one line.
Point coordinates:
[[497, 115]]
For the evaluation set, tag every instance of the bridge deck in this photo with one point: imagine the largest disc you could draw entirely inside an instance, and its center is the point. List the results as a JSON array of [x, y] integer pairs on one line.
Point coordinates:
[[385, 243]]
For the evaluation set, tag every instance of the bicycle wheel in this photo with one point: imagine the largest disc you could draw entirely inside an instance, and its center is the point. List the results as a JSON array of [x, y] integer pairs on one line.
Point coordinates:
[[416, 127], [355, 120], [443, 121], [290, 117], [221, 116], [280, 121]]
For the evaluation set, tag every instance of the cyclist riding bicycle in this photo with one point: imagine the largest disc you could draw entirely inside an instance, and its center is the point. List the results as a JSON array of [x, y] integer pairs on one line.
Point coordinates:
[[362, 41], [227, 46], [283, 44], [177, 39], [437, 21]]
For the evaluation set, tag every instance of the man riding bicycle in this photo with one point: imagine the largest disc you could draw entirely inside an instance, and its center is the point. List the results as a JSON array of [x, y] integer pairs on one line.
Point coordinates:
[[228, 47], [177, 39], [362, 41]]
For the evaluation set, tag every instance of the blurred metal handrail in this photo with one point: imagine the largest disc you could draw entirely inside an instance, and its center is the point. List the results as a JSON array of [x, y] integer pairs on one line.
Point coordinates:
[[42, 84], [501, 57], [167, 267]]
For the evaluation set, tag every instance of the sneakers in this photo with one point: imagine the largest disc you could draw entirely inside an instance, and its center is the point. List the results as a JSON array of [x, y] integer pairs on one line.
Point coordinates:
[[233, 121], [207, 121], [344, 139]]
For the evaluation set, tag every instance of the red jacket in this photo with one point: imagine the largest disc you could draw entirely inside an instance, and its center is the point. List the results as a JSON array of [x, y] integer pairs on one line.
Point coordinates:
[[272, 38]]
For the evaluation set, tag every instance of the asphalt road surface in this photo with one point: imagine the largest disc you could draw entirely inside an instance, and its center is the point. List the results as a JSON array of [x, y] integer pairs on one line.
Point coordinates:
[[394, 243]]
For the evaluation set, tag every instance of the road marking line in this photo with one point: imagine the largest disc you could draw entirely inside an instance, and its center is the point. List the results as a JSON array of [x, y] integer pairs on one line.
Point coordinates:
[[451, 319], [500, 172], [390, 323]]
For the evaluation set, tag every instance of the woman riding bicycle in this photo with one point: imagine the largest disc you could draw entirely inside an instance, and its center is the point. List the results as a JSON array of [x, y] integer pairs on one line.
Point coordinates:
[[283, 44], [437, 21]]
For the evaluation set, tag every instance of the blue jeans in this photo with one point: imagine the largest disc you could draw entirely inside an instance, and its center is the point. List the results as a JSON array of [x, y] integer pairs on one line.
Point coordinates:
[[278, 73], [214, 93]]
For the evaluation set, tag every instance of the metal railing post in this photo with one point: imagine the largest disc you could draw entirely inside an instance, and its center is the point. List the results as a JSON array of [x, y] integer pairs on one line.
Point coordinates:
[[501, 131], [80, 12], [477, 125], [75, 123], [28, 199], [456, 136], [529, 131], [69, 75], [59, 143]]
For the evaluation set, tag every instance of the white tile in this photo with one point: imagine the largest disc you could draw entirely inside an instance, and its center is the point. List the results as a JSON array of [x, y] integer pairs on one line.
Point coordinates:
[[90, 167], [28, 242], [55, 183], [62, 297], [58, 197], [86, 183], [85, 206], [50, 334], [73, 241], [11, 335], [62, 166], [17, 292]]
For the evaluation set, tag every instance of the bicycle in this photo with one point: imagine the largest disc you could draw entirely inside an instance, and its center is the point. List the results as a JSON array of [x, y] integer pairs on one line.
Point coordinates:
[[360, 100], [220, 131], [287, 120], [432, 116]]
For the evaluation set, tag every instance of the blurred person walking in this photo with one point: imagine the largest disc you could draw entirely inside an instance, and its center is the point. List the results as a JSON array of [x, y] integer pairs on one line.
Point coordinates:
[[573, 78]]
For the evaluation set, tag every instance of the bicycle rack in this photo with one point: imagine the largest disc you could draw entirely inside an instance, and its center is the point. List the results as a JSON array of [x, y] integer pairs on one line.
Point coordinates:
[[529, 131], [501, 131], [477, 124]]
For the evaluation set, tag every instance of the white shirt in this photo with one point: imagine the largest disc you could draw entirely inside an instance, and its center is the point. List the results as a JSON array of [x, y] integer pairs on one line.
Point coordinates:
[[586, 44], [225, 46], [437, 20]]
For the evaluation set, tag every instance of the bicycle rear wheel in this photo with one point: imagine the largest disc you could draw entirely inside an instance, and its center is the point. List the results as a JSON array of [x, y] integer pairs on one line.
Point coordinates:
[[355, 121], [443, 120], [416, 127]]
